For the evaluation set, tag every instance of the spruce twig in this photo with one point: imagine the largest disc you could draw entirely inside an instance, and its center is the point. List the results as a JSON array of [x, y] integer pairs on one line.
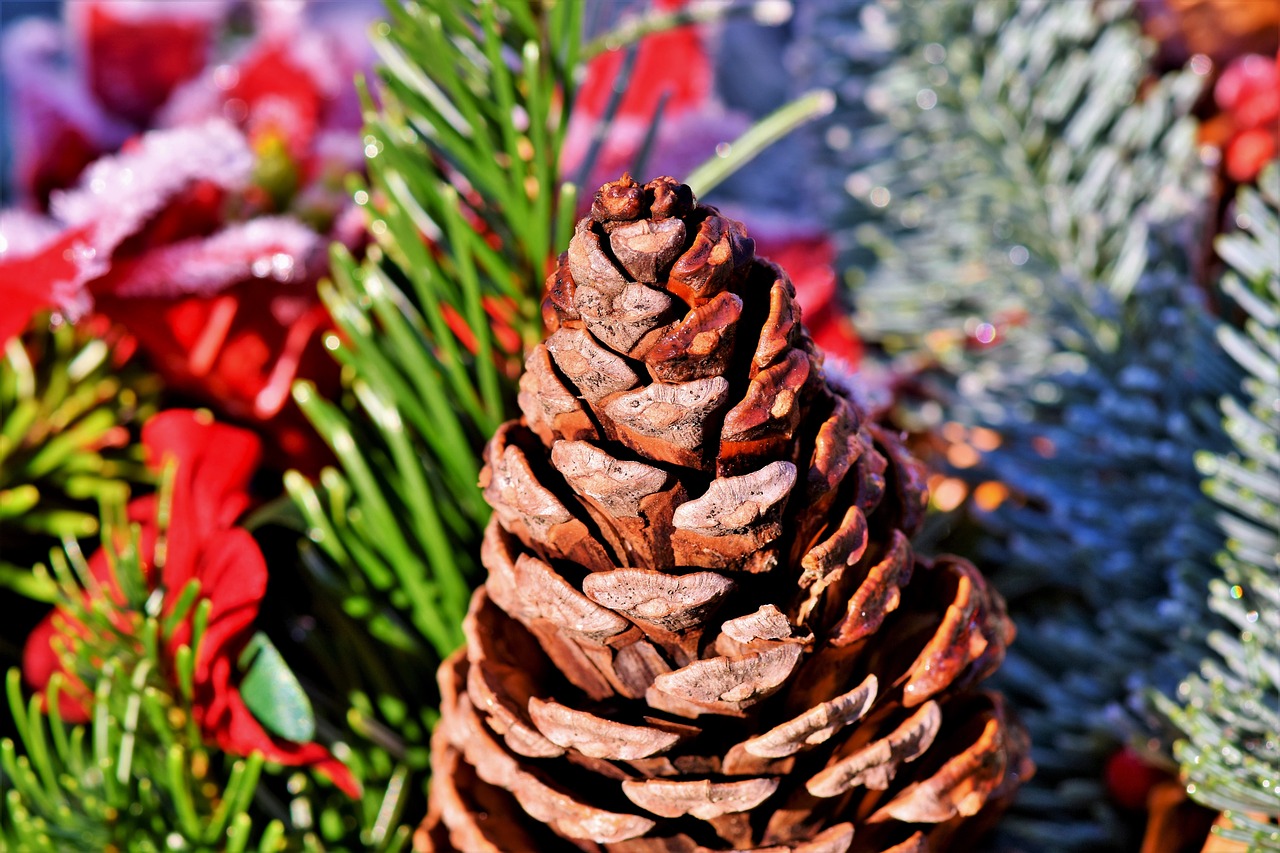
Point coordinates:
[[1230, 710]]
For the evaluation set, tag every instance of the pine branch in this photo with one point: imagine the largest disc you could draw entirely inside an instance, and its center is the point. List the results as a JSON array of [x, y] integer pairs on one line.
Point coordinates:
[[136, 776], [464, 201], [65, 412], [1024, 236], [1230, 712]]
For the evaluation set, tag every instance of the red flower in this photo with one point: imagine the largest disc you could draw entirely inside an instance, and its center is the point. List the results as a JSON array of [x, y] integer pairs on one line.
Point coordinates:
[[214, 465], [673, 63], [176, 237], [1249, 93], [227, 311], [136, 53]]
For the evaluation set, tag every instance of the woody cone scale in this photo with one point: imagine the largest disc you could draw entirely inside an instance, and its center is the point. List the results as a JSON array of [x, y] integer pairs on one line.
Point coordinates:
[[703, 626]]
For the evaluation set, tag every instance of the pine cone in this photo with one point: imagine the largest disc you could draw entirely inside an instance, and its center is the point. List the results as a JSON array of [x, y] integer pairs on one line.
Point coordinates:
[[703, 626]]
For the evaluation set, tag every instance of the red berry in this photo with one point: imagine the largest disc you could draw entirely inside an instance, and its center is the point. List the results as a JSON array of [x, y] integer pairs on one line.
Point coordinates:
[[1130, 778]]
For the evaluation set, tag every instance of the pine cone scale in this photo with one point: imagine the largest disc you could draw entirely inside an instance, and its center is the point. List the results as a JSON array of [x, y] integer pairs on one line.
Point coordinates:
[[704, 627]]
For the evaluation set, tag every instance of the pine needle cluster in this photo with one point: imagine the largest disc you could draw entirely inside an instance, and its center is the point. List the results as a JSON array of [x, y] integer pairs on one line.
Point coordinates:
[[1230, 710]]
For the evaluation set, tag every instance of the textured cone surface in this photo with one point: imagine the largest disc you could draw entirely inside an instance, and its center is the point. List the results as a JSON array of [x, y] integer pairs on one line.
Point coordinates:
[[703, 626]]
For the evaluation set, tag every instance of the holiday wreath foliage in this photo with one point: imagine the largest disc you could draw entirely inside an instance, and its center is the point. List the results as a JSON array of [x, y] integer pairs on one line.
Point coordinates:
[[335, 227]]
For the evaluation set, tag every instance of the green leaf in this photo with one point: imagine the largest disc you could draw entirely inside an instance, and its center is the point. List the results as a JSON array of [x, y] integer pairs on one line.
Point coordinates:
[[272, 692]]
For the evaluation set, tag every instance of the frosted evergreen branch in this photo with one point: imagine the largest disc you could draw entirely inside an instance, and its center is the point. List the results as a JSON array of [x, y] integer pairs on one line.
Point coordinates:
[[1229, 712], [1018, 196]]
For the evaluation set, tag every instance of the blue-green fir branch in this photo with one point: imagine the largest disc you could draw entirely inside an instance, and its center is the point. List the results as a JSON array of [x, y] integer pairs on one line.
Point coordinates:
[[1229, 713], [1015, 193]]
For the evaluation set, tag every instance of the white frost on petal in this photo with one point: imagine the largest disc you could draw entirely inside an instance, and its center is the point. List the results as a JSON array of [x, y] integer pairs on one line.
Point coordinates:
[[196, 100], [278, 18], [23, 233], [119, 194], [277, 248]]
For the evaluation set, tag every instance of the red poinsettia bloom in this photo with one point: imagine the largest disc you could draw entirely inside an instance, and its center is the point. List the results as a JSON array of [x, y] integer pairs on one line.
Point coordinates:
[[227, 310], [214, 465], [1249, 94], [204, 240]]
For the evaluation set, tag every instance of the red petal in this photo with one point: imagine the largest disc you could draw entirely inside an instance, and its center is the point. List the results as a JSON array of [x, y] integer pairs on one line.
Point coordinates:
[[239, 351], [233, 576], [215, 463], [674, 62], [52, 277], [228, 722], [1249, 152], [40, 661], [243, 734], [137, 53], [809, 259]]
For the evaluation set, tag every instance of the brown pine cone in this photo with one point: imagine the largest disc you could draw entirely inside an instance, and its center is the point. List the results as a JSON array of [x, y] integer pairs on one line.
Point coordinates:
[[703, 626]]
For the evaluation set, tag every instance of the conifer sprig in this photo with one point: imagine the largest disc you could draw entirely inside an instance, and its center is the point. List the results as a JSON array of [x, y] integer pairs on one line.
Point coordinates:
[[994, 171], [1230, 711], [464, 203], [1028, 233], [65, 413], [137, 776]]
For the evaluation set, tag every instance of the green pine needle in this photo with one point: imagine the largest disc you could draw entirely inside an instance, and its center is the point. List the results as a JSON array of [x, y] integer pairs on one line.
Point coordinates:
[[465, 207], [773, 127], [66, 411], [138, 775]]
